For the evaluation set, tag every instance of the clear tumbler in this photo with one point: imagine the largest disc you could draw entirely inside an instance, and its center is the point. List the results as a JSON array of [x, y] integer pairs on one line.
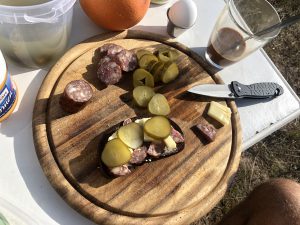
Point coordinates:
[[233, 36]]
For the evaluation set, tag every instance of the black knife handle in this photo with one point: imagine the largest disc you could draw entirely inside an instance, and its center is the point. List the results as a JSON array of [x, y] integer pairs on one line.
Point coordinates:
[[258, 90]]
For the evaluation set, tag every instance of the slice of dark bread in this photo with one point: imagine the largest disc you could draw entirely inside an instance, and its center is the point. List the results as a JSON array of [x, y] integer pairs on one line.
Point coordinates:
[[104, 139]]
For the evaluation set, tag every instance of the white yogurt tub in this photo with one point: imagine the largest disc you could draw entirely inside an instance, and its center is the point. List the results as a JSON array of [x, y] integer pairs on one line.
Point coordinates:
[[35, 35], [8, 91]]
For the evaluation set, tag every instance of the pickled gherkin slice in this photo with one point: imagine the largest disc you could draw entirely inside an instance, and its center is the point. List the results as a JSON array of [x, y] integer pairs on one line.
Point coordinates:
[[162, 57], [115, 153], [156, 71], [142, 52], [151, 65], [173, 55], [131, 135], [158, 127], [166, 55], [142, 77], [169, 73], [159, 105], [142, 95], [146, 59]]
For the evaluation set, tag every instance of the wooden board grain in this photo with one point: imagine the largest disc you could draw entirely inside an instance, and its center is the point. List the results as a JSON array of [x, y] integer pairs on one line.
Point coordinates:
[[175, 190]]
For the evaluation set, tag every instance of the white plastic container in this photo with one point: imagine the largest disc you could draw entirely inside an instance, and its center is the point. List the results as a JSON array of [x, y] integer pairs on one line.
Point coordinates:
[[35, 35]]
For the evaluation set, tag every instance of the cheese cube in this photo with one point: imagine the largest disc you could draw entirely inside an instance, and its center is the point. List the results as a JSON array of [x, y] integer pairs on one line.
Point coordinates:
[[219, 112], [223, 107], [170, 143]]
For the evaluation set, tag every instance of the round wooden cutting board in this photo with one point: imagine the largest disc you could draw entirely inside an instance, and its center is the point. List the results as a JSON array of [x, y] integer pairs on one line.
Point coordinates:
[[175, 190]]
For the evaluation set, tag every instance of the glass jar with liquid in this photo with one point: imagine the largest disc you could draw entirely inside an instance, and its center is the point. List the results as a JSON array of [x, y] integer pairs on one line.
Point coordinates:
[[35, 33]]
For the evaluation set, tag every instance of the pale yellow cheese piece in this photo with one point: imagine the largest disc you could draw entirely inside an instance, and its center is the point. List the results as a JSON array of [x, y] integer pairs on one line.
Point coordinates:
[[113, 136], [219, 105], [219, 112], [141, 122], [170, 143], [147, 138]]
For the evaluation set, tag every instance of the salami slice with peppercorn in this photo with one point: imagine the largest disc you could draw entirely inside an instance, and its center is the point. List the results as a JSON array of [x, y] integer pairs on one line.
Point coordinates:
[[110, 49], [127, 60], [208, 131], [109, 72], [76, 95]]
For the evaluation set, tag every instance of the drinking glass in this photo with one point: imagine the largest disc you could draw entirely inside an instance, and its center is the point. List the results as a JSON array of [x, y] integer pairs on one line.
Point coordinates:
[[233, 36]]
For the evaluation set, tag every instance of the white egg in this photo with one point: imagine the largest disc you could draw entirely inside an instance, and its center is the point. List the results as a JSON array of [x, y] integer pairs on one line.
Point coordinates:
[[183, 13]]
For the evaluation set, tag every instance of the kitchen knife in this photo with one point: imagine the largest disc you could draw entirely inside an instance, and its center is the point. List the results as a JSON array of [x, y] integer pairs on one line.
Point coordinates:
[[238, 90]]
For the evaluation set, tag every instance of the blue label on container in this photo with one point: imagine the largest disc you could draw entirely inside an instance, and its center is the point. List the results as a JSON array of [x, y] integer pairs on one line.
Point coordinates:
[[7, 97]]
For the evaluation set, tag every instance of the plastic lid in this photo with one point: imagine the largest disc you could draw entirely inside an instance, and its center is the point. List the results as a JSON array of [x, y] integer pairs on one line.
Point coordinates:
[[43, 13]]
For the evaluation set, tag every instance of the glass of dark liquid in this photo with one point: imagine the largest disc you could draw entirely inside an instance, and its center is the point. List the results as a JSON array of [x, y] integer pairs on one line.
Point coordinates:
[[233, 37]]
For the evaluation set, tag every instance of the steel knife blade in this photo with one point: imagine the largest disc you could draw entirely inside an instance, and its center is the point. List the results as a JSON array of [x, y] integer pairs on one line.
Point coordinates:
[[238, 90]]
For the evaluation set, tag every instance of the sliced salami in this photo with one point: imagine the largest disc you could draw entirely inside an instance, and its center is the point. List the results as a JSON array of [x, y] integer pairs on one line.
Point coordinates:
[[109, 72], [127, 60], [76, 95], [121, 170], [208, 131], [110, 49], [103, 60], [156, 149], [139, 155], [127, 121], [177, 136]]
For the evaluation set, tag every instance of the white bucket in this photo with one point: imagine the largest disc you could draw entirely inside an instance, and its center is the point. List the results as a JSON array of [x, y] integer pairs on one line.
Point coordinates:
[[35, 35]]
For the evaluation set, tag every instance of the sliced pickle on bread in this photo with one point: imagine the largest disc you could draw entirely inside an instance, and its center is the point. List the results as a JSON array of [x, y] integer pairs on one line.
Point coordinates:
[[115, 153], [158, 127], [131, 135]]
